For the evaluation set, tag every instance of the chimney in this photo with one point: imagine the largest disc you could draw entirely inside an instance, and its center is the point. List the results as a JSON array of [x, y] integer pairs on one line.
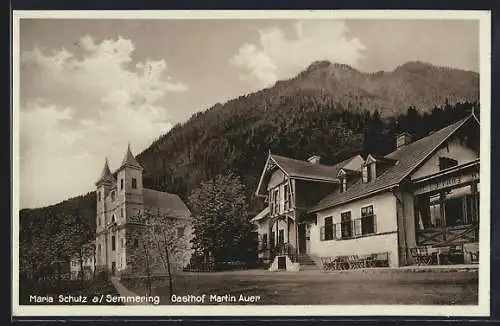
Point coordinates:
[[314, 159], [403, 139]]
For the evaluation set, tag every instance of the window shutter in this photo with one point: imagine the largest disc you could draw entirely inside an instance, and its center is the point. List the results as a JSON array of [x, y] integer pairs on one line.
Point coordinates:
[[334, 231], [322, 233], [374, 223], [357, 227], [338, 231]]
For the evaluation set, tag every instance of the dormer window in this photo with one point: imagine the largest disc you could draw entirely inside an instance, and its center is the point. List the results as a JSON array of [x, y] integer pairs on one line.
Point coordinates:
[[367, 173], [446, 163], [343, 184]]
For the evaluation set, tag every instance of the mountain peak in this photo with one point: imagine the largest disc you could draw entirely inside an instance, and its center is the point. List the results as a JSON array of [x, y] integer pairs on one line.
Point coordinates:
[[325, 64], [415, 65]]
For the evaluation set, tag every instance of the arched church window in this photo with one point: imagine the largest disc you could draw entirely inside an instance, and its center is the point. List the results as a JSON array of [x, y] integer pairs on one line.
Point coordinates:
[[113, 219]]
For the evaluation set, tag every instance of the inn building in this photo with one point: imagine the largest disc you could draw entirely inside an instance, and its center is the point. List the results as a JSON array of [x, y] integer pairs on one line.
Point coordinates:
[[415, 205]]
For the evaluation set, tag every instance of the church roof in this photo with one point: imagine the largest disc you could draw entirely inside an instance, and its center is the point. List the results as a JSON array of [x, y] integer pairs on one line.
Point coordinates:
[[106, 175], [129, 160], [169, 204]]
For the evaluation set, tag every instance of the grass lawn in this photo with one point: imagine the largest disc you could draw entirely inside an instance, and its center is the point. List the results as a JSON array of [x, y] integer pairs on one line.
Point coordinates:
[[315, 287]]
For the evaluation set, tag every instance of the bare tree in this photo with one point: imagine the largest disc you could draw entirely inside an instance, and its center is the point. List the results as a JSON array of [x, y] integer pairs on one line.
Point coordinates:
[[162, 239]]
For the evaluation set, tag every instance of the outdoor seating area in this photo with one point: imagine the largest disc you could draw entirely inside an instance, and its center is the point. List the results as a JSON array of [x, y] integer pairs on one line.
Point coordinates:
[[443, 255], [355, 261]]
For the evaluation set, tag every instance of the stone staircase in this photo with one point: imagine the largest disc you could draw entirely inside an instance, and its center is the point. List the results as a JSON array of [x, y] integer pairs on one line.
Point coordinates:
[[308, 262]]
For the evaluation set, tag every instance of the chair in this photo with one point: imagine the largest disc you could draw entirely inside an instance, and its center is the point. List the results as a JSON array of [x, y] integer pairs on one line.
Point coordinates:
[[342, 263], [353, 261], [421, 255], [474, 257]]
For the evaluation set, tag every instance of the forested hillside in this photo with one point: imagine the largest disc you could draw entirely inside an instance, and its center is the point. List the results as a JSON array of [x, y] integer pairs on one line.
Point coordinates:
[[330, 110]]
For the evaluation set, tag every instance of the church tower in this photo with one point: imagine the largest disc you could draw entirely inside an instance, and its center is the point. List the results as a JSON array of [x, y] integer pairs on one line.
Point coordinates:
[[129, 204], [104, 186]]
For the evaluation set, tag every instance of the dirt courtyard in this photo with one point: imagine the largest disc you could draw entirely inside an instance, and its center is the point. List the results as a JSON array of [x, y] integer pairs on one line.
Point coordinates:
[[315, 287]]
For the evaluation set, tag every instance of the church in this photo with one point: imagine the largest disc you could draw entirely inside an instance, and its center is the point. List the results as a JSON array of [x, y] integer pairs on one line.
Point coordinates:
[[121, 197], [416, 205]]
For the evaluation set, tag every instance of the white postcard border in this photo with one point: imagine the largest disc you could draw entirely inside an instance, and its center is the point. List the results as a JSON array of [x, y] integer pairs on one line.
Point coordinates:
[[481, 310]]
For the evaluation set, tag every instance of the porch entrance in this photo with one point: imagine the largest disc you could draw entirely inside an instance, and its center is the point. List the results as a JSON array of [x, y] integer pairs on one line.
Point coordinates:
[[304, 238], [447, 216]]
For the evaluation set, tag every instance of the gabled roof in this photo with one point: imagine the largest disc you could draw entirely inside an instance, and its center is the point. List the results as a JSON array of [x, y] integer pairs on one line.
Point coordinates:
[[344, 171], [106, 175], [302, 170], [407, 158], [376, 158], [169, 204], [308, 170]]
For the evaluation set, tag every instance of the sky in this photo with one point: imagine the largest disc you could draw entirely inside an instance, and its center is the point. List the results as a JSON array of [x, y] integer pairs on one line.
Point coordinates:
[[89, 87]]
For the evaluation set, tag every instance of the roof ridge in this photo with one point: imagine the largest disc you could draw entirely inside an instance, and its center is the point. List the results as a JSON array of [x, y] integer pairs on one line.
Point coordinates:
[[163, 192], [314, 164]]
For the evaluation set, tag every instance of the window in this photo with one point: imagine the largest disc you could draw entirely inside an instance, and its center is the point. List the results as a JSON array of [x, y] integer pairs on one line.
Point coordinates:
[[113, 219], [113, 243], [99, 221], [273, 238], [113, 195], [180, 232], [98, 196], [435, 212], [446, 163], [368, 172], [264, 241], [346, 225], [99, 250], [329, 233], [365, 173], [136, 243], [134, 183], [121, 184], [121, 212], [367, 220], [275, 201], [287, 197], [343, 186], [281, 237]]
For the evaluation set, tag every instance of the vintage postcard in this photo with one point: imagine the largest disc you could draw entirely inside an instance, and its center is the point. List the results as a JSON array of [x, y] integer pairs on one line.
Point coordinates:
[[251, 163]]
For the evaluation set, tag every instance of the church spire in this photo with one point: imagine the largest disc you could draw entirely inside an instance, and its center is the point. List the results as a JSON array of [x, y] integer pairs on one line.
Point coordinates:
[[106, 175], [129, 159]]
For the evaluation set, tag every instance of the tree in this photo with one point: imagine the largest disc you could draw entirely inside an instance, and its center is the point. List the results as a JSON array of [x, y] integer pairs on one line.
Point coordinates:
[[220, 219], [162, 245]]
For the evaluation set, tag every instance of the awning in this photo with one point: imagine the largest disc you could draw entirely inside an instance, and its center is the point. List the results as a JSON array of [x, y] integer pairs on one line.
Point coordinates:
[[261, 215]]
